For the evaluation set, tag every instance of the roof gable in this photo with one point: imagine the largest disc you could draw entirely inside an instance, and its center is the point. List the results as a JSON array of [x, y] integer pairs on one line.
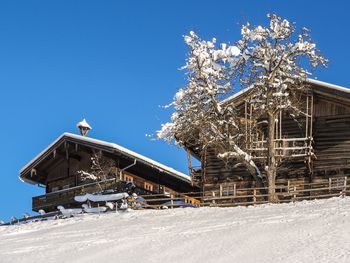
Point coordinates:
[[104, 146]]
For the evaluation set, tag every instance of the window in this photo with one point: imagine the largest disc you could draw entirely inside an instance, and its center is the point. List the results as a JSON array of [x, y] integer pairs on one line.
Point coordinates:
[[148, 186], [128, 178]]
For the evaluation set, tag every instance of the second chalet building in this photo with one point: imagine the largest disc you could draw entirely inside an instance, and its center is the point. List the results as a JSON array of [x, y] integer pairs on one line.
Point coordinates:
[[314, 147], [59, 168]]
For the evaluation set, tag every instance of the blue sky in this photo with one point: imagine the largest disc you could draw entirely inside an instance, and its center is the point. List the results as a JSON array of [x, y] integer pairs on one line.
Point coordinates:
[[115, 62]]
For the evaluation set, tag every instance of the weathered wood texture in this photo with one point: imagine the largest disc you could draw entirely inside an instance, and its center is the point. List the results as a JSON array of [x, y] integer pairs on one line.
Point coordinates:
[[59, 172], [331, 146], [229, 194], [65, 197]]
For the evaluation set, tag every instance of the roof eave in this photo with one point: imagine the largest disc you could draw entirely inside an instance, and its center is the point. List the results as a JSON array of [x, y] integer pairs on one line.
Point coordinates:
[[26, 180], [110, 147], [244, 91]]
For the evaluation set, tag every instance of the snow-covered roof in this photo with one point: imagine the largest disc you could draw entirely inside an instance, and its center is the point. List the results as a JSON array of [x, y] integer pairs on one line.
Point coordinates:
[[113, 146], [328, 85], [236, 94], [310, 81]]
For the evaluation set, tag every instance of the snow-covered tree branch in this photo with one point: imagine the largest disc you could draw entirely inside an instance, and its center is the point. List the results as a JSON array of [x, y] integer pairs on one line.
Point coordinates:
[[200, 120], [275, 66], [273, 61], [100, 170]]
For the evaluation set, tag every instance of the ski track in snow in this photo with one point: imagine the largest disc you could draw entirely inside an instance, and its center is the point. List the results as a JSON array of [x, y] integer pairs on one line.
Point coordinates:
[[314, 231]]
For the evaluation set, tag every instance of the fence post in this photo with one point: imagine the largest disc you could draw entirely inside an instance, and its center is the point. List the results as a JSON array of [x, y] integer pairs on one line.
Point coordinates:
[[234, 190], [288, 185], [294, 190], [133, 201], [220, 190], [254, 195], [329, 184], [213, 194], [345, 182], [172, 201]]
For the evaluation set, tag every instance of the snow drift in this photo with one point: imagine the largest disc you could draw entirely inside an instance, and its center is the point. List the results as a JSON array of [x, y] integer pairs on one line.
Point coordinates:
[[315, 231]]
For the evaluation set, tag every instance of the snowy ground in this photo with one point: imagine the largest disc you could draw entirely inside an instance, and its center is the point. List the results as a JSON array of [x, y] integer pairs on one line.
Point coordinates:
[[317, 231]]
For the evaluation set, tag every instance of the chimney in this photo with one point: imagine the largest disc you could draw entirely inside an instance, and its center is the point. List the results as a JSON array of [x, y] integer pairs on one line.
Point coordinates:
[[84, 127]]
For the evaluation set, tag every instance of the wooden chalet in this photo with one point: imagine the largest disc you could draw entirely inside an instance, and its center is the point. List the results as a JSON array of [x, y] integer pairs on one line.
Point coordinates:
[[315, 147], [57, 170]]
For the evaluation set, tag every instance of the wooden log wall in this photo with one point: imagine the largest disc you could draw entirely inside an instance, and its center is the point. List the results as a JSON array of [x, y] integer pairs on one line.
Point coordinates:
[[331, 145], [216, 171]]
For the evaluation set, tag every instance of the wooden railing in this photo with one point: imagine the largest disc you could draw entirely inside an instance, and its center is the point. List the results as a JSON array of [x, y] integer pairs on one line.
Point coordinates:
[[332, 187], [63, 197], [285, 147], [50, 201], [228, 194]]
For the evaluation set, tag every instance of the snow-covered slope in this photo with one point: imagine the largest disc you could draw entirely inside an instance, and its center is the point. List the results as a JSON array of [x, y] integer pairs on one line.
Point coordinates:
[[316, 231]]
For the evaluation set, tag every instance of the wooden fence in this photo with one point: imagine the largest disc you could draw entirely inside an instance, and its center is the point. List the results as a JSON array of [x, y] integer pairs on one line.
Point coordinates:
[[234, 196]]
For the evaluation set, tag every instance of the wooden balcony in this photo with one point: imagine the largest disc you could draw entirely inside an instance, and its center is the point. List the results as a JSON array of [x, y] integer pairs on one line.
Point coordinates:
[[50, 201]]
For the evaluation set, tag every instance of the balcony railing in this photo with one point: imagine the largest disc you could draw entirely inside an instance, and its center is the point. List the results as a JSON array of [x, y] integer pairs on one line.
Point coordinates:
[[50, 201]]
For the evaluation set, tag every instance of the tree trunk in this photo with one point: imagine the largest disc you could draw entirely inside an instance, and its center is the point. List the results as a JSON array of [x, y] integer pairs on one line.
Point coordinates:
[[271, 160], [253, 173]]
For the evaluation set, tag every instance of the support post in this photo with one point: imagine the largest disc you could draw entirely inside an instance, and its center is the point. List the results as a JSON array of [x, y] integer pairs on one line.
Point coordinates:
[[345, 183], [281, 124], [295, 193], [172, 201], [307, 117], [254, 196], [189, 163], [250, 125], [246, 123]]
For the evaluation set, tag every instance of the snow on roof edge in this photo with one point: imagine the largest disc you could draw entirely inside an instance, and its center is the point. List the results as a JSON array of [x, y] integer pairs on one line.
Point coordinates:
[[41, 153], [311, 81], [120, 148], [236, 94], [26, 180], [130, 152], [328, 85]]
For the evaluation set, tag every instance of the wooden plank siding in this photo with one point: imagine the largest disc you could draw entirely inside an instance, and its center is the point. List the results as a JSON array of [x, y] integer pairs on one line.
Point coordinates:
[[57, 168], [331, 146]]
